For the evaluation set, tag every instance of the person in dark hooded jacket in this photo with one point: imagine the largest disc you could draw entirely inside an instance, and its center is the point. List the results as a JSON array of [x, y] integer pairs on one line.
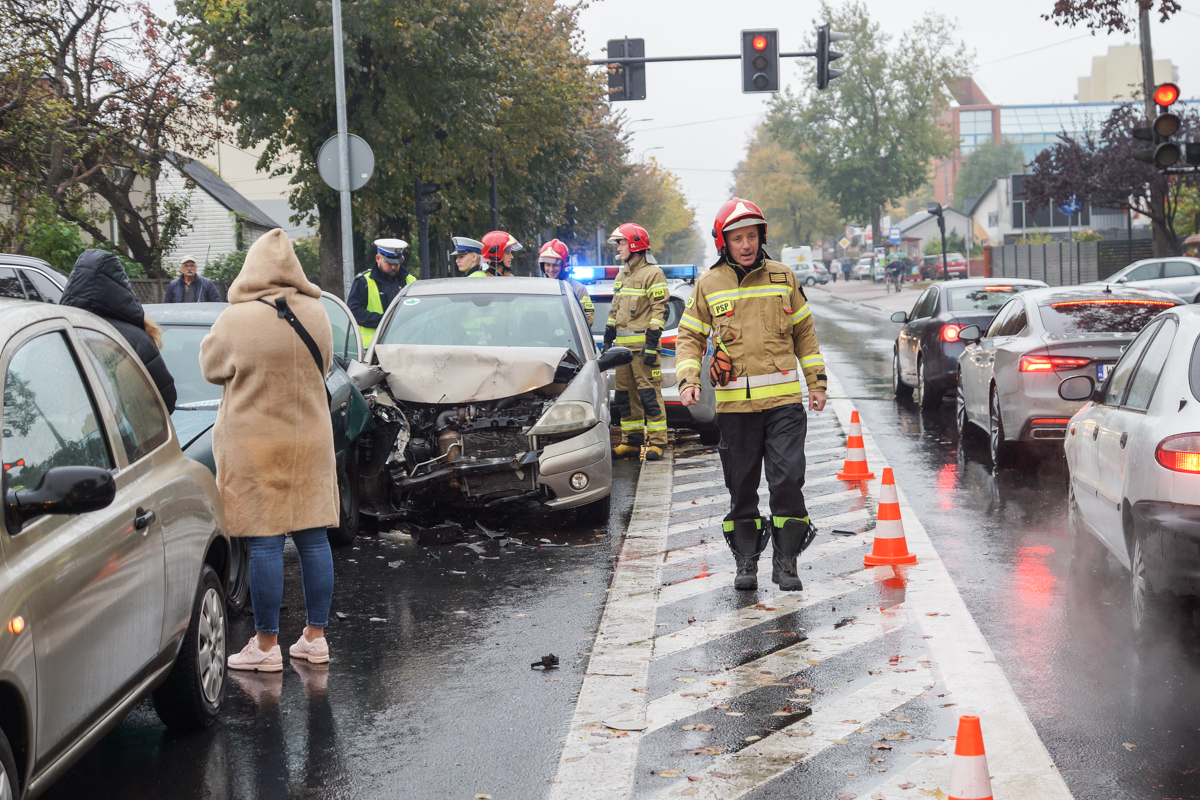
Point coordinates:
[[98, 284]]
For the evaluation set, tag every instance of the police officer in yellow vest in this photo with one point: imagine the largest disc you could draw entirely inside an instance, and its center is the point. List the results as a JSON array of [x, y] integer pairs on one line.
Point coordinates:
[[467, 257], [636, 319], [373, 290], [755, 313]]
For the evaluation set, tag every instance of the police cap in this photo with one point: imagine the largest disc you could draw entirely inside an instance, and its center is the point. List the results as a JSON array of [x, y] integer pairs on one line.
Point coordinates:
[[392, 250]]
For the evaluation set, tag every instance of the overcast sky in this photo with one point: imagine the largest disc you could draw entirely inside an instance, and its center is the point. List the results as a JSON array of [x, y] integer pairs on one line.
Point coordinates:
[[1000, 32]]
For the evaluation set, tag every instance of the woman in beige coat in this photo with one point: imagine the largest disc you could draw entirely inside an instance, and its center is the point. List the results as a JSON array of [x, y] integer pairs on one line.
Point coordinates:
[[273, 442]]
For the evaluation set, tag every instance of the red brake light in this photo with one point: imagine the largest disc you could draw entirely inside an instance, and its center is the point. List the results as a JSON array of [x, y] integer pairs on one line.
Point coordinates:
[[760, 43], [1050, 421], [1165, 94], [950, 332], [1048, 363], [997, 288], [1180, 453], [1129, 302]]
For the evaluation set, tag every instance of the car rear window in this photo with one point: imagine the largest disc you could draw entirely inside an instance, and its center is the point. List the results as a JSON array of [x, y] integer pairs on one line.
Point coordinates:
[[1101, 315], [955, 257], [982, 298], [604, 305]]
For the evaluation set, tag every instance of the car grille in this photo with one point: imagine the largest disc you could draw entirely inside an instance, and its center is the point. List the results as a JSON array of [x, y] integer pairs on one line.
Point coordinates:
[[497, 443]]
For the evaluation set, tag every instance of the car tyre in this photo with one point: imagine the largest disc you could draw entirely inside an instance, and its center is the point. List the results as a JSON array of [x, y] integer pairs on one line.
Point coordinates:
[[8, 771], [1149, 611], [961, 422], [348, 507], [811, 281], [927, 398], [237, 597], [899, 387], [710, 436], [1003, 451], [191, 696]]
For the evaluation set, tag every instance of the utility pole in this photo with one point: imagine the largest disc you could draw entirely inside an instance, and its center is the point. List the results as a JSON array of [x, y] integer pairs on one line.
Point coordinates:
[[1157, 200], [339, 83]]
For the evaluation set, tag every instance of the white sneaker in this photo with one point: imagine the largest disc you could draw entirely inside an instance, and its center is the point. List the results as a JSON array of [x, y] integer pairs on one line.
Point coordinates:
[[314, 652], [253, 659]]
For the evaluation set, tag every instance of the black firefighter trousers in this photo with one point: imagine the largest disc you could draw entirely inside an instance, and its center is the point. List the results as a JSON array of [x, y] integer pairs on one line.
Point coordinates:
[[775, 438]]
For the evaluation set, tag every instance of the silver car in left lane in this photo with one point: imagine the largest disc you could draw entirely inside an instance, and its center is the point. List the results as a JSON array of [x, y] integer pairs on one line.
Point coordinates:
[[496, 394], [113, 558]]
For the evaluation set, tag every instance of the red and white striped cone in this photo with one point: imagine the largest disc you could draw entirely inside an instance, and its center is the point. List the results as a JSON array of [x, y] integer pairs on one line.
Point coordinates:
[[855, 468], [969, 779], [890, 545]]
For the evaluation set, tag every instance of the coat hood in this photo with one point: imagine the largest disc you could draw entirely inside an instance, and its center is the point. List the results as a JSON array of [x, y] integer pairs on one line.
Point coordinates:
[[98, 284], [271, 268]]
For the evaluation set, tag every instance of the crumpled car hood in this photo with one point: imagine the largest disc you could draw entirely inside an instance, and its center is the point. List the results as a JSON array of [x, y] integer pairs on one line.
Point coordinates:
[[436, 374]]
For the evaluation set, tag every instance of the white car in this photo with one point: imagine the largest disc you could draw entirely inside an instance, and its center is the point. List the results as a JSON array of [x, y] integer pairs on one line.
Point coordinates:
[[1180, 276], [1008, 377], [1134, 457], [863, 269]]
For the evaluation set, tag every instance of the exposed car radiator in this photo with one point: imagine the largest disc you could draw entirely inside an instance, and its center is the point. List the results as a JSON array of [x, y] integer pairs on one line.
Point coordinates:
[[497, 443]]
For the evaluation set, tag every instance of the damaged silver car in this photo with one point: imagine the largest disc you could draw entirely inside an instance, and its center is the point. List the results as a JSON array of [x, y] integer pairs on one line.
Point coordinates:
[[485, 392]]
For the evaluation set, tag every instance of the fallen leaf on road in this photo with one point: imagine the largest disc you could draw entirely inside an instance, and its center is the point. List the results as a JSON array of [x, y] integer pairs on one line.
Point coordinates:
[[849, 722], [774, 631], [1128, 746], [717, 683], [877, 796], [704, 726], [846, 796], [716, 774], [908, 785], [754, 738], [946, 705], [686, 680], [804, 691], [735, 713], [863, 730], [722, 708], [840, 741], [881, 746], [669, 773], [891, 737], [901, 718], [483, 797], [813, 663], [695, 778]]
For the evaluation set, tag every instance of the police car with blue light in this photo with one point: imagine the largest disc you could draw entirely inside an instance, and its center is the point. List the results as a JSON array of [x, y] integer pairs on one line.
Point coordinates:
[[682, 280]]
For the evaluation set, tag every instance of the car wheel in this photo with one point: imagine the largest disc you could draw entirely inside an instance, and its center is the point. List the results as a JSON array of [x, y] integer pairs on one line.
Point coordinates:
[[8, 770], [961, 423], [347, 527], [237, 596], [811, 281], [710, 436], [1002, 449], [926, 397], [191, 696], [1147, 609], [899, 387]]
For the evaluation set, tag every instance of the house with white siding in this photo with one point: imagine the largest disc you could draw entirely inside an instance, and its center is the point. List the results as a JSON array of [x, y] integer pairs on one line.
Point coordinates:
[[223, 220]]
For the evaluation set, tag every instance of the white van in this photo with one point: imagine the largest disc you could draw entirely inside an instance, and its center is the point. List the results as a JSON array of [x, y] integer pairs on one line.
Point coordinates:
[[791, 256]]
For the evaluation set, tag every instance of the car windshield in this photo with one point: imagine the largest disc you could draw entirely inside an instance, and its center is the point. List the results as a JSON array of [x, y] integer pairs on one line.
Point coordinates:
[[603, 304], [1101, 316], [483, 320], [981, 298], [181, 351]]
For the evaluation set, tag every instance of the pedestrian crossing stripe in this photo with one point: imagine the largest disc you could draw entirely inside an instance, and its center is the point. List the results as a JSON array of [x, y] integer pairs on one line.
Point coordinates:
[[633, 652]]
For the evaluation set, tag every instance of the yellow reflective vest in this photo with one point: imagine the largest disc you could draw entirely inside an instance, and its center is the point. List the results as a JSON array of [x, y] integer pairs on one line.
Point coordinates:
[[375, 304], [766, 326]]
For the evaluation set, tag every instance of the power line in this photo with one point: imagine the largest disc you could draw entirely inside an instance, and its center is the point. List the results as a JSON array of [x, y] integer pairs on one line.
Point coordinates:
[[1034, 50], [699, 122]]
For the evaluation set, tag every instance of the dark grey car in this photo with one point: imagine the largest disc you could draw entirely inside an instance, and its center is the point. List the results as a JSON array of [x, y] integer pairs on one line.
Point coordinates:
[[925, 357], [113, 557]]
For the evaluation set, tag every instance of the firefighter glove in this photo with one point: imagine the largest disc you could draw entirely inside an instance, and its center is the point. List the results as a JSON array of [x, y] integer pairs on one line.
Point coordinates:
[[610, 336], [721, 368], [649, 357], [650, 353]]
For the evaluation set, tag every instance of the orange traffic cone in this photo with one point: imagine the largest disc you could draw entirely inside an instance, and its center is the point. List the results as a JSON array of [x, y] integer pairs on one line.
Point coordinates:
[[969, 779], [890, 546], [855, 468]]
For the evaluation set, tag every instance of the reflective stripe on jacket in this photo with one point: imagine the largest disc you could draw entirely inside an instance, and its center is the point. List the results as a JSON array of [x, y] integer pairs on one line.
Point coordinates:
[[765, 324], [639, 302], [375, 304], [585, 299]]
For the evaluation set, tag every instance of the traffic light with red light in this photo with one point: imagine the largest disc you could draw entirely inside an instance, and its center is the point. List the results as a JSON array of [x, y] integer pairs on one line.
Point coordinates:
[[1164, 152], [826, 37], [760, 61]]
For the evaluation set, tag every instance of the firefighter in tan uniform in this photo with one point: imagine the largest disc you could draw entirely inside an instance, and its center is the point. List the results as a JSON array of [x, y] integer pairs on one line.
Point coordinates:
[[764, 341], [639, 311]]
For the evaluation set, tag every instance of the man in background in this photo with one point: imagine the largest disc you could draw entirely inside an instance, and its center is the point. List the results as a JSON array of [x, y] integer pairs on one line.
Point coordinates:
[[190, 287]]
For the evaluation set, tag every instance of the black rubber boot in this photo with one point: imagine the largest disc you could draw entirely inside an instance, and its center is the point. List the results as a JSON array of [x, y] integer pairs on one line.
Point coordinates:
[[747, 538], [787, 543]]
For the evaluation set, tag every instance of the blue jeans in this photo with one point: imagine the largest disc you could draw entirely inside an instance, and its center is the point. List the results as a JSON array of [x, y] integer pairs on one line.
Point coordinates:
[[266, 577]]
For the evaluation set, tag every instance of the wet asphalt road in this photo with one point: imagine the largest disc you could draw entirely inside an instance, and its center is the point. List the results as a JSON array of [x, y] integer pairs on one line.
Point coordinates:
[[438, 700]]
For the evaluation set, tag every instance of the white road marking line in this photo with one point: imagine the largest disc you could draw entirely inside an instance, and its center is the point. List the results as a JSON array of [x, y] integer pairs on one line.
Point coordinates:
[[688, 487], [743, 618], [826, 522], [698, 586], [809, 499], [671, 708], [614, 685], [770, 757]]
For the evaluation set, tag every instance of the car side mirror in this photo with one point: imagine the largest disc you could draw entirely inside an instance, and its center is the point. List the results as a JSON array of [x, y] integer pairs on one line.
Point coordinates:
[[614, 357], [62, 490], [1080, 387], [971, 333], [900, 316]]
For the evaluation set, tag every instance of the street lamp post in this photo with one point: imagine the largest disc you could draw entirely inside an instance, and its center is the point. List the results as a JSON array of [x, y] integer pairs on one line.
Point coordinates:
[[648, 149], [936, 210]]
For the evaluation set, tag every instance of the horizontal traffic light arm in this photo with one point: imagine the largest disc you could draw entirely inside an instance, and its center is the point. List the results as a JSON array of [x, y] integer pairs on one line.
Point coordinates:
[[599, 62]]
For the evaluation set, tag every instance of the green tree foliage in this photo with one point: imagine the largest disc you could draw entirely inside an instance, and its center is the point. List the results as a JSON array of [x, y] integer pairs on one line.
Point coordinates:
[[224, 268], [868, 139], [775, 179], [987, 162], [448, 91], [653, 199]]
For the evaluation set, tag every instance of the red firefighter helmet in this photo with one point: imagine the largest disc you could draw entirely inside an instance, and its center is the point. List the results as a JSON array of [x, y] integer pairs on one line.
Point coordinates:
[[494, 246], [633, 233], [554, 250], [737, 213]]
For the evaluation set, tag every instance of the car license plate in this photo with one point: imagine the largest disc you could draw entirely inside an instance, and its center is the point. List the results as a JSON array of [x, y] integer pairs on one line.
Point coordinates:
[[1102, 371]]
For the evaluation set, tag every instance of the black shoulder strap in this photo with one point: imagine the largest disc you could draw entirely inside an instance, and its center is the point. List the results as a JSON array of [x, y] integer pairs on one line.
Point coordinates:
[[281, 307]]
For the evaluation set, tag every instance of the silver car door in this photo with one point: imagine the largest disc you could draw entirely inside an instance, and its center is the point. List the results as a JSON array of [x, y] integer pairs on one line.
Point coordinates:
[[347, 340], [985, 357], [1122, 429], [907, 347], [98, 576]]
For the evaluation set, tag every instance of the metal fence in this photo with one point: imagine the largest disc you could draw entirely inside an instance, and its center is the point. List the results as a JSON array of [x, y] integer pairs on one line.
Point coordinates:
[[1068, 263]]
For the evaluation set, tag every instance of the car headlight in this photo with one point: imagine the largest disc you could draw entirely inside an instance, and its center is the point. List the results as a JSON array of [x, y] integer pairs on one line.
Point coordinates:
[[565, 416]]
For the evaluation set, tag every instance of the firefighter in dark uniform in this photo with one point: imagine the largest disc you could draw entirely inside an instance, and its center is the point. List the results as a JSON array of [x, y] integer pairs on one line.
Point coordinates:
[[764, 340], [635, 320], [373, 290]]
